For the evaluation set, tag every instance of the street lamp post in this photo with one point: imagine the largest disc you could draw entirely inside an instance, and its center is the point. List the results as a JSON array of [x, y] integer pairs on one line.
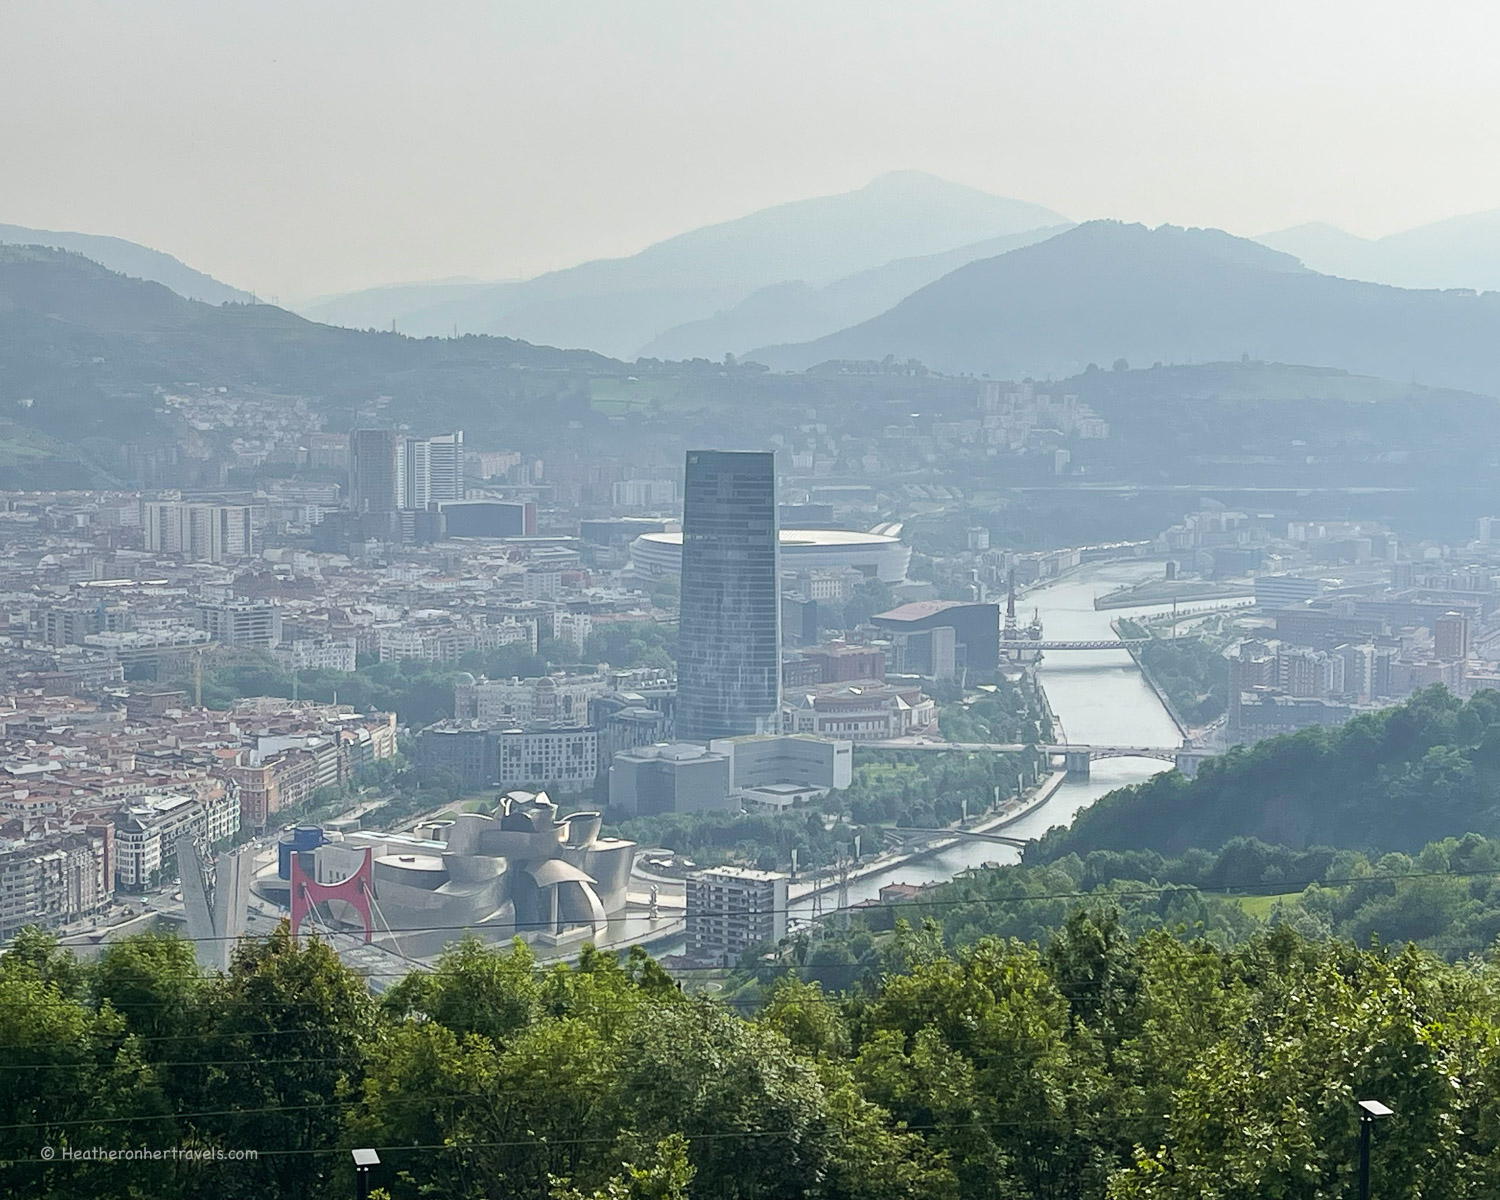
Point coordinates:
[[1370, 1111], [363, 1161]]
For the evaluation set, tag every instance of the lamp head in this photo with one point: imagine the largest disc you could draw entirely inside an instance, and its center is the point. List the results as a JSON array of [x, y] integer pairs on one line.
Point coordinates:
[[365, 1158], [1370, 1110]]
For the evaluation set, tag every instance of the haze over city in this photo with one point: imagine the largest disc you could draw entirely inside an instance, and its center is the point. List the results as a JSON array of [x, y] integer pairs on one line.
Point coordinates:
[[749, 601], [300, 150]]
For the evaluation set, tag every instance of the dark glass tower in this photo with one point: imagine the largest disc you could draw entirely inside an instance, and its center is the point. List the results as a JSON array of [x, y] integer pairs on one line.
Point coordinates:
[[373, 471], [729, 637]]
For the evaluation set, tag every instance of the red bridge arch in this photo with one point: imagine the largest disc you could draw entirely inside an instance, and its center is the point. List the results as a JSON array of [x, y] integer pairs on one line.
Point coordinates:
[[356, 890]]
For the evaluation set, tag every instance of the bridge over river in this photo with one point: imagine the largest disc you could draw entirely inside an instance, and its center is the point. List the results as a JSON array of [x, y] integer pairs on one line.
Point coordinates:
[[1075, 756], [1045, 644]]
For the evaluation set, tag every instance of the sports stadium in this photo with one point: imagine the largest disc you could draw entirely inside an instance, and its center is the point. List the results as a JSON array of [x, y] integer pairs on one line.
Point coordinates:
[[874, 554]]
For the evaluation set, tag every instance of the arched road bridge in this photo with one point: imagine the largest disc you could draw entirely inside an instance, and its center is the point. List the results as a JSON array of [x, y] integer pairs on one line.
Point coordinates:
[[1043, 644], [1076, 756]]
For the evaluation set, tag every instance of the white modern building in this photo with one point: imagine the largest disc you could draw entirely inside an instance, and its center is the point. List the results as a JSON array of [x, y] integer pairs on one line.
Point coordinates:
[[645, 494], [874, 555], [774, 772]]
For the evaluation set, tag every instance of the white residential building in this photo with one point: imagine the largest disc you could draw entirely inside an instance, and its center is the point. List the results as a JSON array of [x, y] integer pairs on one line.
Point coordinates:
[[321, 654], [200, 532], [731, 909], [573, 628], [146, 833]]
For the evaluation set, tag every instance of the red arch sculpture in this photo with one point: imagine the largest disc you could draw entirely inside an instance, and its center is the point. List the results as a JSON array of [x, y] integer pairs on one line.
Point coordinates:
[[357, 890]]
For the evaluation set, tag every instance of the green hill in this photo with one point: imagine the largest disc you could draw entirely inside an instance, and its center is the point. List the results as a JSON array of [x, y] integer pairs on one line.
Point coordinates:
[[130, 258], [1106, 291], [83, 351], [1394, 780]]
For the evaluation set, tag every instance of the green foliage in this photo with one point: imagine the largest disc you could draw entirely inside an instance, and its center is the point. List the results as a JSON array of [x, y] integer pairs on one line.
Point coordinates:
[[712, 838], [1394, 780], [632, 644], [1103, 1066], [910, 789], [868, 598], [417, 692], [1194, 676], [1011, 714]]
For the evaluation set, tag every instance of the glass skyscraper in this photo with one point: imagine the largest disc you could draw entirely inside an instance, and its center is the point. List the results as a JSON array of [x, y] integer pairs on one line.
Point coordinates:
[[729, 626]]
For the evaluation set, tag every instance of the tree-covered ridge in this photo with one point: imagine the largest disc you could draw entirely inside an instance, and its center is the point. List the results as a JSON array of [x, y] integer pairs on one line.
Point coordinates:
[[1103, 1066], [1445, 898], [1397, 779]]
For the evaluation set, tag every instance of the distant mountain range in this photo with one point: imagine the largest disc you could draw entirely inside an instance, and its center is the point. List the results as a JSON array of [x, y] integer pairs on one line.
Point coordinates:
[[83, 351], [131, 259], [798, 311], [1105, 290], [1460, 252], [618, 306]]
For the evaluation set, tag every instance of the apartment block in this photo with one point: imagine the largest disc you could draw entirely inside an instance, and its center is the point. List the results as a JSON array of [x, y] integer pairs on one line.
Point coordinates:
[[731, 909]]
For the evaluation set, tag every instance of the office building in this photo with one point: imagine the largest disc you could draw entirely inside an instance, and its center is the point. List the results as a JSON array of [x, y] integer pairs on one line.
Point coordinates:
[[430, 471], [810, 762], [489, 518], [372, 471], [731, 909], [413, 474], [389, 473], [254, 623], [674, 778], [645, 493], [564, 760], [445, 467], [799, 621], [729, 643], [1451, 637], [1283, 591], [943, 639]]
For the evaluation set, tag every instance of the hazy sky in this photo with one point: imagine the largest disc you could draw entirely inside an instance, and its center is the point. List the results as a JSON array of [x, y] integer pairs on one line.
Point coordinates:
[[298, 147]]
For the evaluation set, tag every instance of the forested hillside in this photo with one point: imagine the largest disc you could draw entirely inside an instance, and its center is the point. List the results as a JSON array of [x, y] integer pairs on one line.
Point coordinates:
[[1394, 780], [1102, 1066]]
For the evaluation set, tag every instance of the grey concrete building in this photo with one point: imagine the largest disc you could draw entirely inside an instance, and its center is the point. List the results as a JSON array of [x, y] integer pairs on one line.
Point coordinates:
[[670, 778]]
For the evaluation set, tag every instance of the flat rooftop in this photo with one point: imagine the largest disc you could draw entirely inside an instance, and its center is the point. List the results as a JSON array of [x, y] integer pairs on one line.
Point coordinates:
[[919, 609]]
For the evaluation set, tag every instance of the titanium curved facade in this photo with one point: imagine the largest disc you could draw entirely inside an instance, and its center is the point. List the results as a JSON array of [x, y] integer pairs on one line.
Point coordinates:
[[729, 625]]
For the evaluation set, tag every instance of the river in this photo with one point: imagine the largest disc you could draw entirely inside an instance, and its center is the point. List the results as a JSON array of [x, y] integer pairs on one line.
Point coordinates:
[[1098, 696]]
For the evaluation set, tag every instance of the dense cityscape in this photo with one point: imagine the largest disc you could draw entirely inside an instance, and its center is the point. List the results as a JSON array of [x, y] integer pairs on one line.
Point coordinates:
[[788, 602]]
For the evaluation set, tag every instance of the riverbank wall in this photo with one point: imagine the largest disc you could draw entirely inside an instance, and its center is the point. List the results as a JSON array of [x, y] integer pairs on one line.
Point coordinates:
[[1161, 692]]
